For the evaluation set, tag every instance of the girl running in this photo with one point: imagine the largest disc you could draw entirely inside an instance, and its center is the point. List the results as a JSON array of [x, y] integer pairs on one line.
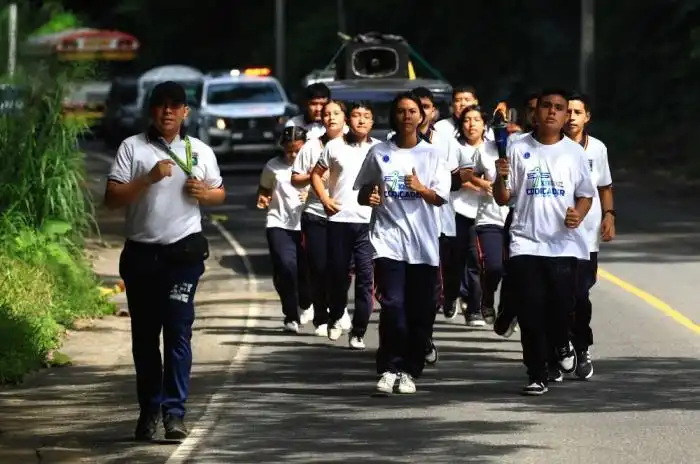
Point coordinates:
[[314, 219], [490, 218], [465, 267], [404, 179], [284, 203], [348, 225]]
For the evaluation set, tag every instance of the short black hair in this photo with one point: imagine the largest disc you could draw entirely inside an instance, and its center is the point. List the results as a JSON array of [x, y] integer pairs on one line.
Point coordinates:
[[167, 92], [583, 98], [317, 90], [292, 134], [546, 92], [395, 105], [360, 104], [463, 89], [424, 92]]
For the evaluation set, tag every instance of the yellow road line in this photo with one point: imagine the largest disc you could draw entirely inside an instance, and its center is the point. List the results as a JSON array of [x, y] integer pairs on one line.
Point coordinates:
[[651, 300]]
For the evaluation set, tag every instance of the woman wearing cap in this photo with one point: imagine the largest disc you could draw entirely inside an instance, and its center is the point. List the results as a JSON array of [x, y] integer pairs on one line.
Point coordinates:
[[162, 177], [284, 203]]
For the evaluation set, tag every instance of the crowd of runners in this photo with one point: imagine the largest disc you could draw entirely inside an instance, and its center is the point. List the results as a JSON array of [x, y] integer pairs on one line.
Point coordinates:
[[436, 218]]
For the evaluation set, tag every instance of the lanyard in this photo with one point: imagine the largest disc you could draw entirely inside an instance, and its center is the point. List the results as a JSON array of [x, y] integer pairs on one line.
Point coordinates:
[[184, 165]]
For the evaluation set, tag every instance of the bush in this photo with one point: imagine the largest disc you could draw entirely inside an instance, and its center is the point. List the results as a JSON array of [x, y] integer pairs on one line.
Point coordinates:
[[46, 283]]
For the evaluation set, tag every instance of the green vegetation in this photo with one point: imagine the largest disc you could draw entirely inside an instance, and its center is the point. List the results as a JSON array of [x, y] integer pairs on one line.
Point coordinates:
[[46, 282]]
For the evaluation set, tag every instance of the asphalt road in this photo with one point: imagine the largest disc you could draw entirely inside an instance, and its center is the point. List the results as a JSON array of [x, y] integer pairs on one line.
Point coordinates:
[[261, 396], [304, 399]]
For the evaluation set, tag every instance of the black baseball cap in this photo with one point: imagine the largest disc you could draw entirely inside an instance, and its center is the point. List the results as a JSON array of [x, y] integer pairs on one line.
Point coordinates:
[[167, 92]]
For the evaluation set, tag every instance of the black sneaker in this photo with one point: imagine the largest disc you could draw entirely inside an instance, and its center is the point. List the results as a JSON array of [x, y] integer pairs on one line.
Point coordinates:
[[146, 426], [474, 319], [567, 358], [431, 354], [450, 309], [584, 367], [535, 388], [504, 325], [489, 315], [174, 428], [554, 375]]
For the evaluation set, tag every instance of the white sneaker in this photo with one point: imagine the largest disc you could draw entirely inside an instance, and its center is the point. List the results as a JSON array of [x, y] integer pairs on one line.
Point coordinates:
[[292, 327], [321, 330], [356, 343], [345, 321], [386, 383], [334, 332], [306, 315], [406, 384]]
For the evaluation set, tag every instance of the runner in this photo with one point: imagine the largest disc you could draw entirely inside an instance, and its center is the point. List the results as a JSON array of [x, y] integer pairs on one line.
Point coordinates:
[[599, 223], [317, 95], [413, 179], [490, 220], [284, 203], [348, 225], [462, 97], [463, 278], [162, 177], [550, 179], [506, 323], [314, 219]]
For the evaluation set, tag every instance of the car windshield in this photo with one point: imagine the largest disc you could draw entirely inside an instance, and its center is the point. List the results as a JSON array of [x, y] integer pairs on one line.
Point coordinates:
[[381, 102], [243, 92]]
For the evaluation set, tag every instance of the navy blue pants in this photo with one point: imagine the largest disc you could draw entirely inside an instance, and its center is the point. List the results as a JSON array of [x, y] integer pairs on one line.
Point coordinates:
[[581, 331], [407, 297], [289, 271], [314, 231], [161, 298], [348, 244], [467, 260], [491, 246]]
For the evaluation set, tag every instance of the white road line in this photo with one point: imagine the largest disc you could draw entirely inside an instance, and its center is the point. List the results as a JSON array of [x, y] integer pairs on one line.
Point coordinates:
[[218, 400]]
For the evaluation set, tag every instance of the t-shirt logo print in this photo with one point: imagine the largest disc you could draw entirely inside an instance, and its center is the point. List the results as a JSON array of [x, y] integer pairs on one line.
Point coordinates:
[[396, 187], [541, 184]]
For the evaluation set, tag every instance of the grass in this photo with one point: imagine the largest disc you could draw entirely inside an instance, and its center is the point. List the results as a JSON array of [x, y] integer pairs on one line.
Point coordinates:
[[46, 281]]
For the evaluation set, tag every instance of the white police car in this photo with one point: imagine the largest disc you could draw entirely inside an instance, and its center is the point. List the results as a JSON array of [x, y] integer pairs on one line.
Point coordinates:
[[242, 112]]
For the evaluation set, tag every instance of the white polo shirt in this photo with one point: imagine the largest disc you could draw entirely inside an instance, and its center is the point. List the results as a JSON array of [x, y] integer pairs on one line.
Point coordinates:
[[285, 207], [303, 164], [488, 212], [344, 161], [165, 213], [597, 158]]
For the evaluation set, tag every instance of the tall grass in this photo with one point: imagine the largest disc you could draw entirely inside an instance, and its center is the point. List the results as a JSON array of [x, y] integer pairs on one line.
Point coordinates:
[[45, 211]]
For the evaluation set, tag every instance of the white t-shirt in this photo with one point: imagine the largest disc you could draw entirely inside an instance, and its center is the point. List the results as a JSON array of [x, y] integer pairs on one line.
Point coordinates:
[[465, 201], [454, 158], [344, 161], [165, 213], [404, 226], [304, 163], [448, 127], [546, 180], [597, 159], [314, 129], [488, 211], [285, 205]]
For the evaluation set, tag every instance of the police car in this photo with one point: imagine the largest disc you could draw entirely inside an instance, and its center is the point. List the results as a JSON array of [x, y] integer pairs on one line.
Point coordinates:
[[243, 112]]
